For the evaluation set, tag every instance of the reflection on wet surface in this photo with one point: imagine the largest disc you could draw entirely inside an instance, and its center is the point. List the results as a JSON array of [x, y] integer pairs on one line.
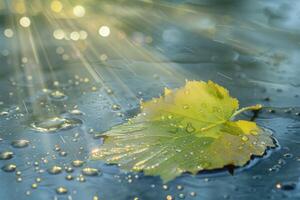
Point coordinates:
[[76, 69]]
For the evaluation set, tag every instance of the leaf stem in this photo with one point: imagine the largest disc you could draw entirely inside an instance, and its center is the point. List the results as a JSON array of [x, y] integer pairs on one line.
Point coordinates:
[[255, 107], [212, 126]]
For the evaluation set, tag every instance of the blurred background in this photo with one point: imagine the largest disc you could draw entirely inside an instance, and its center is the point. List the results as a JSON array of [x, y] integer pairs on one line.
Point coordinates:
[[72, 69]]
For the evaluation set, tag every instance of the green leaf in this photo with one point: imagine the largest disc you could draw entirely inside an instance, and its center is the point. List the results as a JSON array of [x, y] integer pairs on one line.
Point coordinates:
[[186, 130]]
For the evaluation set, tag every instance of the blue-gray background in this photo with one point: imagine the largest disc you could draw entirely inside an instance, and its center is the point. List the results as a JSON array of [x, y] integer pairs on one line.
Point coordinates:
[[250, 47]]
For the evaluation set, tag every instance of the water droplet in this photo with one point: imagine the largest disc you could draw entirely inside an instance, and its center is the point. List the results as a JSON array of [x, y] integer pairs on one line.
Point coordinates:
[[179, 187], [190, 128], [181, 196], [69, 177], [245, 138], [81, 178], [169, 197], [170, 117], [254, 132], [57, 148], [77, 163], [271, 111], [63, 153], [38, 180], [193, 194], [6, 155], [116, 107], [288, 155], [286, 186], [34, 185], [56, 124], [165, 187], [69, 169], [178, 150], [109, 91], [186, 107], [88, 171], [20, 143], [97, 198], [9, 167], [55, 170], [76, 112], [61, 190], [4, 113], [58, 95]]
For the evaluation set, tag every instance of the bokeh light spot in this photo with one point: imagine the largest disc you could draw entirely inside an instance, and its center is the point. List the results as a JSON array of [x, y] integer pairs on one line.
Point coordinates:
[[104, 31], [25, 22], [8, 33], [56, 6], [79, 11]]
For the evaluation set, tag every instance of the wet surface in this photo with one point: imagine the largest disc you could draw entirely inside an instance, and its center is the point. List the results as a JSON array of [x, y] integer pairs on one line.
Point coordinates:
[[58, 94]]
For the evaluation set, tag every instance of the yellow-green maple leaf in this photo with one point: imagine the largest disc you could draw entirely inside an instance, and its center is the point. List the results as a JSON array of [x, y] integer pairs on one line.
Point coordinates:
[[186, 130]]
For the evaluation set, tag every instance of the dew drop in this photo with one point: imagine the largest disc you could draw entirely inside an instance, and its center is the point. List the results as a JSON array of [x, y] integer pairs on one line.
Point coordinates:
[[179, 187], [190, 128], [286, 186], [186, 107], [55, 170], [55, 124], [63, 153], [165, 187], [181, 196], [57, 148], [58, 95], [61, 190], [69, 177], [95, 197], [245, 138], [193, 194], [77, 163], [6, 155], [20, 143], [69, 169], [34, 185], [9, 167], [288, 155], [109, 91], [253, 132], [38, 180], [169, 197], [81, 178], [116, 107], [76, 112], [88, 171]]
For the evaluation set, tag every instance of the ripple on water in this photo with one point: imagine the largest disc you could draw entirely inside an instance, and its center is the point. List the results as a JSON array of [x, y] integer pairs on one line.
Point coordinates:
[[55, 124]]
